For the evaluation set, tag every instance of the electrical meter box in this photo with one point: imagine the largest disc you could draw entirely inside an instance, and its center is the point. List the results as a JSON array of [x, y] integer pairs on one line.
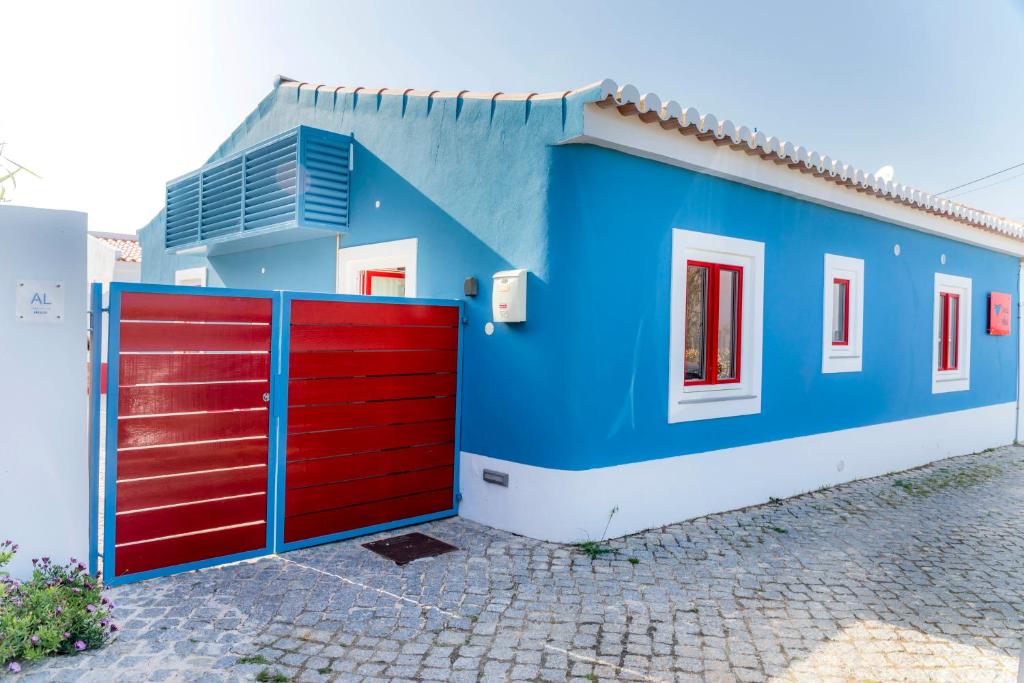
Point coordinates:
[[508, 297]]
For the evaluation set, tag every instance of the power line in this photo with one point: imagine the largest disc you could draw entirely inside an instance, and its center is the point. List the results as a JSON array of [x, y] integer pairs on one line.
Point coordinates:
[[998, 182], [984, 177]]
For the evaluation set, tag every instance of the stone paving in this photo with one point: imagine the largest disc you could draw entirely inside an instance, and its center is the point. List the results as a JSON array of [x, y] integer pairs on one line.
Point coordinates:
[[914, 576]]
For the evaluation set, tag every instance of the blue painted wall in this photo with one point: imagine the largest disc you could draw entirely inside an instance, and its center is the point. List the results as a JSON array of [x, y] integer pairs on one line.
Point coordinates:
[[584, 382], [615, 259], [469, 179]]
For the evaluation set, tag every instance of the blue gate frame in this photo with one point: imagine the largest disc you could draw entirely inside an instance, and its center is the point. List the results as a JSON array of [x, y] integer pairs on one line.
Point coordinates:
[[277, 415]]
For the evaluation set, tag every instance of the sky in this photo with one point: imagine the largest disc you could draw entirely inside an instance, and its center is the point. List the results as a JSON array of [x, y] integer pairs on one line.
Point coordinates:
[[108, 101]]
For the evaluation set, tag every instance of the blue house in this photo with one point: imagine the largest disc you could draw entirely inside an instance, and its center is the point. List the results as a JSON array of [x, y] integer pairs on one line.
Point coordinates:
[[712, 316]]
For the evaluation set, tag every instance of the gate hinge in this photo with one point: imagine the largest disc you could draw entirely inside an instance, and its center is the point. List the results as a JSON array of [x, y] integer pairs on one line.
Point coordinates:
[[458, 497]]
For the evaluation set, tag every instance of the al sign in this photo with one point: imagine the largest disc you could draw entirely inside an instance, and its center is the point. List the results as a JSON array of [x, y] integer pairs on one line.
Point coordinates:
[[998, 313], [39, 301]]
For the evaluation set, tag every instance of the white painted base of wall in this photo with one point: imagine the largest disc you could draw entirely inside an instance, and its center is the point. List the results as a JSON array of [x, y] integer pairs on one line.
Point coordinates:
[[569, 506]]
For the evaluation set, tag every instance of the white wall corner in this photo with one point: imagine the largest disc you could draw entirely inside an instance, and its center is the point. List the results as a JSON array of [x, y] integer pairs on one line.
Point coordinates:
[[568, 506]]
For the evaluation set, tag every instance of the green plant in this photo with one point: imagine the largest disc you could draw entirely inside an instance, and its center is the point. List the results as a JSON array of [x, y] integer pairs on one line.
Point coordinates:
[[594, 549], [60, 610], [253, 659], [274, 676], [324, 670], [778, 529], [9, 169], [634, 560]]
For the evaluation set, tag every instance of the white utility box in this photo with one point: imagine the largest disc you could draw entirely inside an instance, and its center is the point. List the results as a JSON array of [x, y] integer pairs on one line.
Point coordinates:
[[508, 298]]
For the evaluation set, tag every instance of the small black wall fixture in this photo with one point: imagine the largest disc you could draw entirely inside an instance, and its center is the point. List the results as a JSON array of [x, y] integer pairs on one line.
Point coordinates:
[[471, 286]]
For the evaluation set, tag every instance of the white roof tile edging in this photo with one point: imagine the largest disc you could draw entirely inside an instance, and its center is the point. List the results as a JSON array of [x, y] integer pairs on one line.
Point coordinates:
[[688, 121]]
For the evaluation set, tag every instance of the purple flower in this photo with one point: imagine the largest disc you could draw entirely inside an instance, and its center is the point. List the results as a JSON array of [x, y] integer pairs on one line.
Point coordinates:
[[60, 610], [104, 622], [35, 640], [114, 628], [90, 608], [79, 645], [14, 667], [67, 634]]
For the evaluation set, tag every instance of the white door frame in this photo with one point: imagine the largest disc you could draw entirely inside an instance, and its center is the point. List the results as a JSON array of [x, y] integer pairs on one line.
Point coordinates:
[[384, 255]]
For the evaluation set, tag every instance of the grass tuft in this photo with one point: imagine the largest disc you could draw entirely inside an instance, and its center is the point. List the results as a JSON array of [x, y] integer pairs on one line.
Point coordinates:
[[267, 676]]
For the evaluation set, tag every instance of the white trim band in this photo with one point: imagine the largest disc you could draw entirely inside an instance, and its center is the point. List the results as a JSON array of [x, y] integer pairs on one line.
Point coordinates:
[[568, 506]]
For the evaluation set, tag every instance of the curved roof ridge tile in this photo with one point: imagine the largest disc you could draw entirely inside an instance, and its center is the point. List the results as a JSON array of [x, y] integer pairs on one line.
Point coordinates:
[[707, 126]]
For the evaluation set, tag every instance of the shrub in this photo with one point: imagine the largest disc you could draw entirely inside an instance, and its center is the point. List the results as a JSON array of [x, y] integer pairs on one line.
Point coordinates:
[[60, 610]]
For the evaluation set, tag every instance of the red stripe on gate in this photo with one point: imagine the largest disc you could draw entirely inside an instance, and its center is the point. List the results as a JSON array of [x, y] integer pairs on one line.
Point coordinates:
[[167, 552], [347, 441], [196, 457], [319, 391], [376, 464], [342, 338], [186, 398], [371, 313], [141, 526], [170, 429], [358, 491], [192, 367], [345, 415], [359, 516], [370, 363], [195, 308], [142, 494], [192, 442], [194, 337]]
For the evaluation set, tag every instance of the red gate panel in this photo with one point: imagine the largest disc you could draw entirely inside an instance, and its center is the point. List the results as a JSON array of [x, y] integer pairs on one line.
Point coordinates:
[[192, 428], [371, 414]]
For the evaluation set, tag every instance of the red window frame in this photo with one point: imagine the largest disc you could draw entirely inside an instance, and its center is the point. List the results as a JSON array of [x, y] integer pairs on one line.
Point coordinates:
[[944, 331], [845, 341], [366, 283], [711, 306]]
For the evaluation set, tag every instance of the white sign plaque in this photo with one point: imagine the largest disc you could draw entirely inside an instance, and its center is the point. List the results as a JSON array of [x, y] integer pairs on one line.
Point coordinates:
[[39, 301]]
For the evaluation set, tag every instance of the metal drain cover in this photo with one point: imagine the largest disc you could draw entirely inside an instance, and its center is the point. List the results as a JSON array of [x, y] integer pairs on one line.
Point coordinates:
[[408, 547]]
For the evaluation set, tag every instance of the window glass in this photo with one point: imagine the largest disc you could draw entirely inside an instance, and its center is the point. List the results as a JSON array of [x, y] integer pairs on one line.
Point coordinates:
[[382, 282], [840, 313], [952, 320], [728, 285], [696, 321]]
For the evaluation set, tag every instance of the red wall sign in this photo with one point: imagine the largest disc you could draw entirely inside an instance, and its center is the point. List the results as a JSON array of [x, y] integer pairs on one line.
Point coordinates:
[[998, 313]]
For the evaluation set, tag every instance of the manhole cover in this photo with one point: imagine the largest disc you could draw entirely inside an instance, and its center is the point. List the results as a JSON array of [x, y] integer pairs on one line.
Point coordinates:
[[408, 547]]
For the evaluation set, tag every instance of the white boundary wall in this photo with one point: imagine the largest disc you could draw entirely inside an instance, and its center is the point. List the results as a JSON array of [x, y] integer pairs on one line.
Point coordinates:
[[569, 506], [44, 490]]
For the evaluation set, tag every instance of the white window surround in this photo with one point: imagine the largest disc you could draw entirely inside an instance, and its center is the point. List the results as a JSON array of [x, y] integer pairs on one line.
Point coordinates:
[[191, 277], [846, 358], [705, 402], [944, 381], [352, 261]]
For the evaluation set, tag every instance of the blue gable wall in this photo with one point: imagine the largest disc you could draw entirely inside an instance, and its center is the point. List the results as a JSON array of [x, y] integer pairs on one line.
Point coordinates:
[[583, 383], [468, 178], [614, 254]]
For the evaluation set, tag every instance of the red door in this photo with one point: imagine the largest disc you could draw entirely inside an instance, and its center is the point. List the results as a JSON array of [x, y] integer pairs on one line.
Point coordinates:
[[371, 415], [192, 421]]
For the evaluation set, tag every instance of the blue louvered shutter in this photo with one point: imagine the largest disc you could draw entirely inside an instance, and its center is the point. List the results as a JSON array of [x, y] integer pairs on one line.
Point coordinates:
[[298, 180]]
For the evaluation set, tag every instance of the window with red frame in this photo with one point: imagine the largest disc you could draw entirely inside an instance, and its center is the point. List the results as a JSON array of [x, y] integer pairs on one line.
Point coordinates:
[[949, 331], [840, 312], [382, 282], [714, 303]]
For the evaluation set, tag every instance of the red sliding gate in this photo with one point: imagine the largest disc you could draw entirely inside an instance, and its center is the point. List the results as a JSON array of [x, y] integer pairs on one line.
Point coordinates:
[[241, 423], [371, 415]]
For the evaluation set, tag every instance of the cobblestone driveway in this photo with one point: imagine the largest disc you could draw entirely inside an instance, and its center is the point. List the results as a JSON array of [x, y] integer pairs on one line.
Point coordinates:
[[908, 577]]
